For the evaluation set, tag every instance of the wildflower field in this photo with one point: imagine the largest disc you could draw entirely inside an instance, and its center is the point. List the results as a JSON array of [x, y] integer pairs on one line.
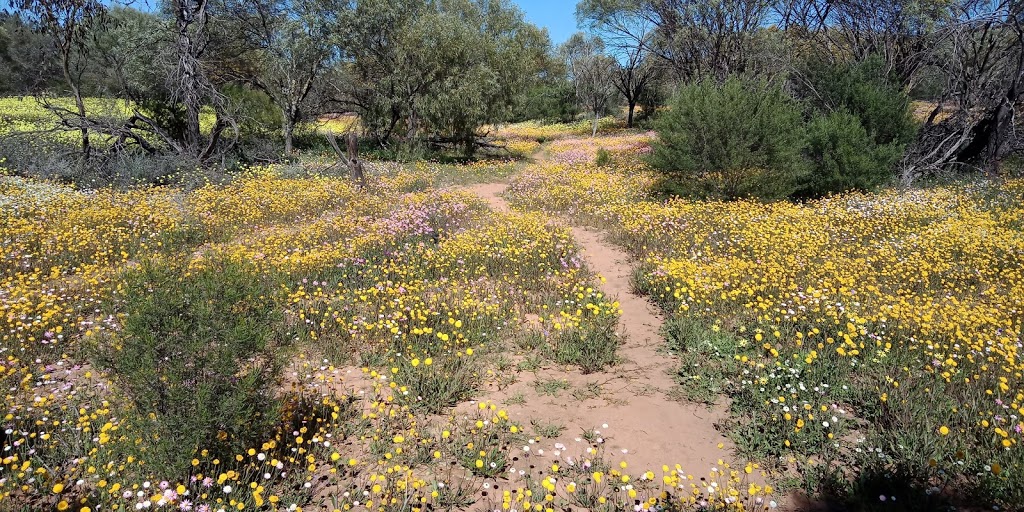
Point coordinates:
[[291, 342], [868, 345], [286, 340]]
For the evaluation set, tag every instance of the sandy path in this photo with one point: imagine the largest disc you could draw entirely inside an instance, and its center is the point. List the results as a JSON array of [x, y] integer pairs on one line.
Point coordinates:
[[645, 427]]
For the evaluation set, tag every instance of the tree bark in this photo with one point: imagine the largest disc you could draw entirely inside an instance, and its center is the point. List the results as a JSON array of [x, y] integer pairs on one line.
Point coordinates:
[[79, 102], [594, 134], [191, 15], [80, 105], [355, 164], [629, 117], [288, 131]]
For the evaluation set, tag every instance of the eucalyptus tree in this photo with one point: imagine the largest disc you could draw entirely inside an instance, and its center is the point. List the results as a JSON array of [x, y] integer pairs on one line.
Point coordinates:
[[629, 39], [70, 24], [436, 71], [902, 32], [286, 48], [693, 38], [592, 73]]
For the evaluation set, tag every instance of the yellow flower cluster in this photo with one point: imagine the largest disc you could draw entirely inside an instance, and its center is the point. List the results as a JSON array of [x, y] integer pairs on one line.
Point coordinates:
[[534, 130], [583, 192], [28, 115], [929, 279]]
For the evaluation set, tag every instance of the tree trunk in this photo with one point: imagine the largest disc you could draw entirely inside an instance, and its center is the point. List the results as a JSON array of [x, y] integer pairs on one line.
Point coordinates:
[[192, 101], [77, 93], [190, 16], [596, 114], [989, 138], [80, 105], [629, 117], [355, 164], [288, 131]]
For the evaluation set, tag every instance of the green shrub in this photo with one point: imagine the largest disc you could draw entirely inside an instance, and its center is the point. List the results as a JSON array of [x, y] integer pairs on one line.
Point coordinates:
[[865, 90], [591, 347], [736, 139], [193, 355], [862, 124], [444, 383], [553, 102], [707, 361], [844, 156], [258, 114], [603, 157]]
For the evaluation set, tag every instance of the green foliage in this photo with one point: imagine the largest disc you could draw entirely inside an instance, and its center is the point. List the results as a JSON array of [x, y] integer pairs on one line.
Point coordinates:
[[706, 358], [257, 114], [551, 387], [194, 355], [862, 127], [740, 138], [445, 383], [603, 157], [549, 101], [26, 58], [845, 157], [547, 429], [866, 91], [483, 448], [591, 347], [446, 68]]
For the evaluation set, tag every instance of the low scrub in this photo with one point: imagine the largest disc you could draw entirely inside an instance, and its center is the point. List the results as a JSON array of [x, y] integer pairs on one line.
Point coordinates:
[[591, 347], [193, 355]]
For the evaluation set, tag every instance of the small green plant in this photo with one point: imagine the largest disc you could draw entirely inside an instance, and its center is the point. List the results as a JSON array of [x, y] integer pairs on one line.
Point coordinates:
[[456, 497], [551, 387], [590, 390], [590, 435], [484, 446], [603, 157], [591, 347], [529, 340], [193, 353], [502, 363], [706, 357], [546, 429], [530, 363], [516, 399], [431, 388]]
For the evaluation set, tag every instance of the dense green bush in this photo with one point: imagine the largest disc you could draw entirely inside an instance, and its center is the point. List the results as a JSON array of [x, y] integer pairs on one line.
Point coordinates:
[[553, 102], [736, 139], [866, 91], [844, 157], [193, 353], [862, 124], [256, 112]]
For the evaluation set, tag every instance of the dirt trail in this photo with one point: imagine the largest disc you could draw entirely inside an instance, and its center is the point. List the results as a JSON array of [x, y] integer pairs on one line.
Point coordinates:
[[633, 412]]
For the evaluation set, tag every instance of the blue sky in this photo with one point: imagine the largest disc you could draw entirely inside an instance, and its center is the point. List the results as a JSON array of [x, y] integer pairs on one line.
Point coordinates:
[[558, 16]]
